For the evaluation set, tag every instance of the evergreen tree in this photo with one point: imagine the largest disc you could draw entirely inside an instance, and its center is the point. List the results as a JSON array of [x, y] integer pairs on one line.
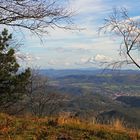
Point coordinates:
[[12, 82]]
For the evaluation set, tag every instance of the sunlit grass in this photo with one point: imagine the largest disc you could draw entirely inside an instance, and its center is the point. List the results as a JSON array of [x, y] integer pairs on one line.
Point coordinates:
[[56, 128]]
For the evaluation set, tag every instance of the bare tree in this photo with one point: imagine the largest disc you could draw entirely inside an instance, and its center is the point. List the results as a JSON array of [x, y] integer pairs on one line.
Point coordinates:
[[41, 101], [127, 29], [35, 15]]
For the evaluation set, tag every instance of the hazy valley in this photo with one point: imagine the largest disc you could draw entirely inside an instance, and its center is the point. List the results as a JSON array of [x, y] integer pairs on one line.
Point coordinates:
[[104, 95]]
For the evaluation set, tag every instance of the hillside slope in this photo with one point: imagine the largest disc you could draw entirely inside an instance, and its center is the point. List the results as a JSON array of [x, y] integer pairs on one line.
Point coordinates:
[[60, 128]]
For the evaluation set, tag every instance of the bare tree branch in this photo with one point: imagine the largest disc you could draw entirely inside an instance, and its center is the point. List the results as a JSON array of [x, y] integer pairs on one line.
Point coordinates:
[[128, 30], [35, 15], [41, 101]]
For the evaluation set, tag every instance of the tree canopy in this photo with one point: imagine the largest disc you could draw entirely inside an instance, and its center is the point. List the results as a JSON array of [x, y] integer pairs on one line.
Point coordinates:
[[12, 82]]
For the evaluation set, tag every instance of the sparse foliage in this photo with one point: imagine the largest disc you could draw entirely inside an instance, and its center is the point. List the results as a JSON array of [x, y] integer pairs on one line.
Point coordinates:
[[35, 15], [127, 29], [41, 101]]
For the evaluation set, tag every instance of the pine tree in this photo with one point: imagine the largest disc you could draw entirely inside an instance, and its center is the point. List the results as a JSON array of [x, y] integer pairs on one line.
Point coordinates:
[[12, 82]]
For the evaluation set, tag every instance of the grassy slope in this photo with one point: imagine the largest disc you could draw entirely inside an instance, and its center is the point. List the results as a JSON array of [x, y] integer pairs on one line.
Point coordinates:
[[31, 128]]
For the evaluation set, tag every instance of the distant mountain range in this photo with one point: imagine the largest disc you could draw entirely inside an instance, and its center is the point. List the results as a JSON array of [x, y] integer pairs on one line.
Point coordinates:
[[89, 71], [104, 94]]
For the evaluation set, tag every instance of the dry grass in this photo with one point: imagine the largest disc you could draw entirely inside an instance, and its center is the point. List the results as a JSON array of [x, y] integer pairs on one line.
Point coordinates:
[[58, 128]]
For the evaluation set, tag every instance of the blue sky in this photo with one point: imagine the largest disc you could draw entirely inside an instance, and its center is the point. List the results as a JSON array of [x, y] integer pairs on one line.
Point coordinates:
[[63, 49]]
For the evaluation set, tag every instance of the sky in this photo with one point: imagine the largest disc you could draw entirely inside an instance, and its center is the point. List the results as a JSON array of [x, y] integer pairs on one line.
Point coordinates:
[[69, 49]]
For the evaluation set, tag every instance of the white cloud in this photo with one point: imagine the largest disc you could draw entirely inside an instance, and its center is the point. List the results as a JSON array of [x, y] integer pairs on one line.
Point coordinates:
[[31, 58], [52, 62], [67, 63], [67, 48], [87, 6], [81, 46], [97, 59], [19, 55], [26, 57], [135, 18], [59, 62], [83, 60], [102, 58]]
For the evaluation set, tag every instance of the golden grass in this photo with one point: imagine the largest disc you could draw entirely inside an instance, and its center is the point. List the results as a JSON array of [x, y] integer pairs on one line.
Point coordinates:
[[34, 128]]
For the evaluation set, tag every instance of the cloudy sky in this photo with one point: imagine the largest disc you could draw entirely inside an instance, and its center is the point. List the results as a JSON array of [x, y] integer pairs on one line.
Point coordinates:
[[78, 49]]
